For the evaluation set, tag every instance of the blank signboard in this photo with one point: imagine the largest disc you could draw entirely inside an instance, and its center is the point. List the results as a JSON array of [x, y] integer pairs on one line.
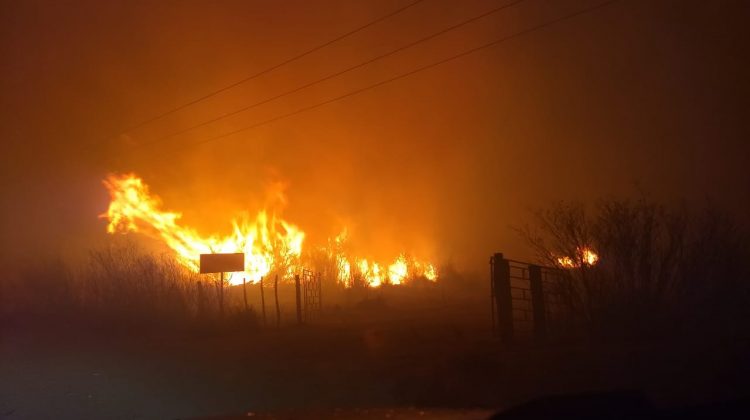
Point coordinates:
[[222, 263]]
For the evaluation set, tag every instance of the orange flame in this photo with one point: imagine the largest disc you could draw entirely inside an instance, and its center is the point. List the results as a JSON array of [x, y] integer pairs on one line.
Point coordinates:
[[585, 256], [268, 242]]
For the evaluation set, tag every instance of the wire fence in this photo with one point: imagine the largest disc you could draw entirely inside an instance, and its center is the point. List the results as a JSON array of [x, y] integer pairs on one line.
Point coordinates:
[[527, 300]]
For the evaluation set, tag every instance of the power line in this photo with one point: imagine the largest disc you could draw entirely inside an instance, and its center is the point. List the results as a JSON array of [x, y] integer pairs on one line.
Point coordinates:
[[409, 73], [334, 75], [270, 69]]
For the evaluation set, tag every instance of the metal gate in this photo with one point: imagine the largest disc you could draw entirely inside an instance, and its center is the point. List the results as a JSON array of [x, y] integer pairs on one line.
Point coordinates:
[[311, 302], [525, 298]]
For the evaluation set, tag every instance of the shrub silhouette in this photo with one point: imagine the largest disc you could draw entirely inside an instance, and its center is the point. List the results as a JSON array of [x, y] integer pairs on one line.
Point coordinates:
[[660, 269]]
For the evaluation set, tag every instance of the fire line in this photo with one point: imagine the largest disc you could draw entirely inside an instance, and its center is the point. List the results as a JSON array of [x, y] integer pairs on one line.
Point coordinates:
[[270, 243]]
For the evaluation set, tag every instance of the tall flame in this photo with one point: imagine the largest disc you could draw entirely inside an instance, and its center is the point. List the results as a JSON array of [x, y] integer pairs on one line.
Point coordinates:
[[268, 242]]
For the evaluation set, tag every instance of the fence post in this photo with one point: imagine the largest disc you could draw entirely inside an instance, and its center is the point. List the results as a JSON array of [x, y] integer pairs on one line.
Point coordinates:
[[221, 294], [299, 299], [320, 291], [276, 296], [492, 296], [503, 302], [537, 302], [262, 301]]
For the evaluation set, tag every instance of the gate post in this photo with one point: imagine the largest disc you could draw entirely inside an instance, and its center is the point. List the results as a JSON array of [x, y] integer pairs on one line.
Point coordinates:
[[299, 299], [492, 295], [537, 302], [503, 302]]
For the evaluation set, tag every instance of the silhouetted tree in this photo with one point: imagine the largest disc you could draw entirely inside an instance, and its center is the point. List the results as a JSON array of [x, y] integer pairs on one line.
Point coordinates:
[[659, 268]]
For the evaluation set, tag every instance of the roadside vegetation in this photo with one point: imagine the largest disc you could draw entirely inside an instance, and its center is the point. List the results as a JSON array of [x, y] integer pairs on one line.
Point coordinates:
[[661, 269]]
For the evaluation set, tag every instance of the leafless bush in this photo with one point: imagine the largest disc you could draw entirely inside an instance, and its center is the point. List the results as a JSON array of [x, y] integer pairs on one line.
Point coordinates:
[[658, 267], [129, 284], [120, 285]]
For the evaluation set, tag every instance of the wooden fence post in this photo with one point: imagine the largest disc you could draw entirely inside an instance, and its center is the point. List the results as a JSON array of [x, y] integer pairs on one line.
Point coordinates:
[[244, 293], [276, 295], [262, 302], [492, 295], [320, 291], [537, 302], [503, 300], [221, 294]]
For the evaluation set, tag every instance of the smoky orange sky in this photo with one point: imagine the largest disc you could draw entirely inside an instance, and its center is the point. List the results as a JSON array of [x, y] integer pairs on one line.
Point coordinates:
[[639, 95]]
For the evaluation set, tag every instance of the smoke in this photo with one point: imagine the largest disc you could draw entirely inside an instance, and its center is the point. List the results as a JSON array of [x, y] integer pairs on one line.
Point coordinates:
[[443, 163]]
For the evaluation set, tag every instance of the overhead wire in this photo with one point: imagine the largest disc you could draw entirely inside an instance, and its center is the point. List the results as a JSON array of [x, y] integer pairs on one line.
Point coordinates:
[[336, 74], [269, 69], [409, 73]]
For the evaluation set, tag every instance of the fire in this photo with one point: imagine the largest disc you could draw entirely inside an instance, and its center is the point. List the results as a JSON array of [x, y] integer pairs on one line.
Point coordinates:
[[268, 242], [402, 268], [370, 272], [351, 271], [398, 270], [585, 256]]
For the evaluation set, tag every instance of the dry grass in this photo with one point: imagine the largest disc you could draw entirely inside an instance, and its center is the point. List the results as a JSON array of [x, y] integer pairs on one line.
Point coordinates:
[[120, 286], [123, 287]]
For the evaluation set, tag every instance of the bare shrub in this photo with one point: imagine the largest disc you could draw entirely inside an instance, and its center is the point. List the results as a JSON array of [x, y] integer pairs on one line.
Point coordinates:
[[120, 285], [658, 267]]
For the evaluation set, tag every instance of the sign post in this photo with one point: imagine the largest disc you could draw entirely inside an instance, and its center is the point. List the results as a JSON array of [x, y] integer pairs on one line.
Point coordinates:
[[221, 263]]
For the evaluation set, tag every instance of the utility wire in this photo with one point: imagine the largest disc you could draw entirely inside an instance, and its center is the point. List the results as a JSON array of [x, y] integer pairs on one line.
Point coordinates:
[[336, 74], [411, 72], [270, 69]]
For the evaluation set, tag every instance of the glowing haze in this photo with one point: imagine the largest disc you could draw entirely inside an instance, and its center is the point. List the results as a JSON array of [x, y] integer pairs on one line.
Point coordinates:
[[270, 243], [441, 164]]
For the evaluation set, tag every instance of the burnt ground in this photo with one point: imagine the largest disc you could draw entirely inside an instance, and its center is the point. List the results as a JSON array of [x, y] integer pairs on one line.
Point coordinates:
[[350, 366]]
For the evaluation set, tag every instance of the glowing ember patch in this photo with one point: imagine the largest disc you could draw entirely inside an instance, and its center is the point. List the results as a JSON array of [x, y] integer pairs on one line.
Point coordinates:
[[585, 256], [430, 273], [268, 242]]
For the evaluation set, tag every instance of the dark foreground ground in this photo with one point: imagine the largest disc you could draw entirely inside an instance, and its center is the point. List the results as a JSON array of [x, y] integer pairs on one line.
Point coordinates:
[[381, 368]]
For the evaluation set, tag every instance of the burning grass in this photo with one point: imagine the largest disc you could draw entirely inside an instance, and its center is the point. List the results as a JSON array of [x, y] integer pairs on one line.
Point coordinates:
[[269, 242]]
